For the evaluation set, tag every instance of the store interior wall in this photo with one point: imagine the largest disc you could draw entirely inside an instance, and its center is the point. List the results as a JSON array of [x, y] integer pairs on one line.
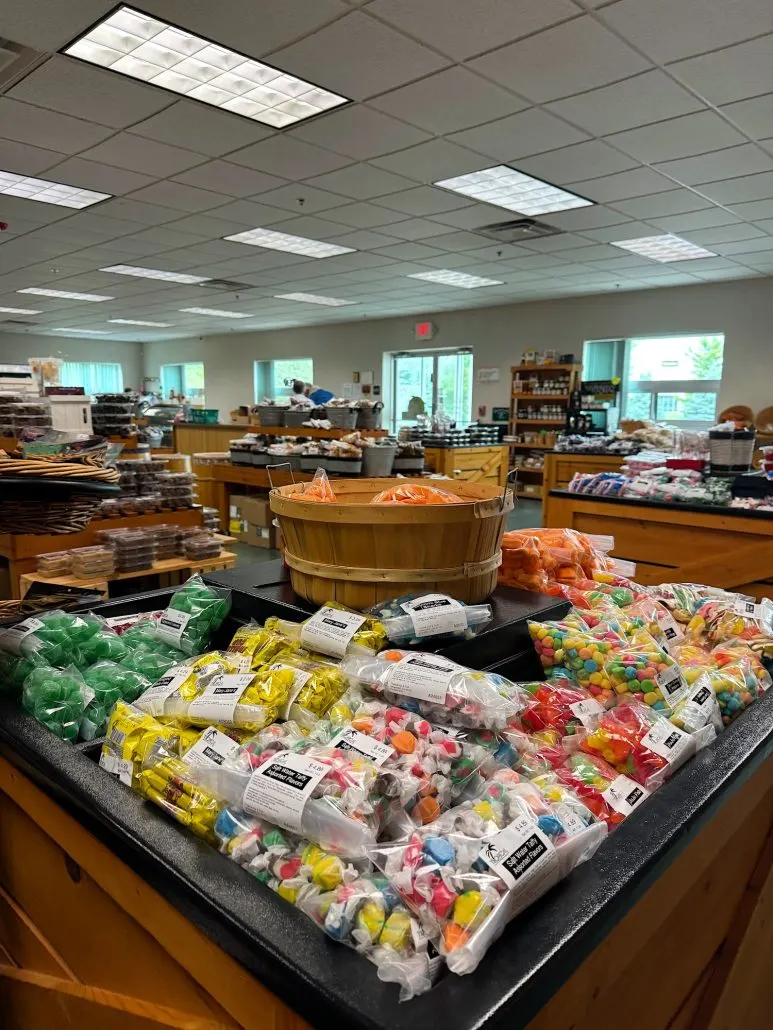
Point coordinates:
[[15, 348], [742, 310]]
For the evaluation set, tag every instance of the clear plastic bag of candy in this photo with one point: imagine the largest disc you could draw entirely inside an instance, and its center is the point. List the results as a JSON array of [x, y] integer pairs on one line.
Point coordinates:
[[167, 781], [55, 636], [466, 875], [570, 647], [736, 685], [560, 706], [195, 612], [697, 706], [730, 650], [684, 599], [438, 688], [57, 698], [104, 644], [641, 669], [109, 682], [14, 669], [151, 664], [414, 619], [609, 795], [352, 903], [316, 687], [334, 630], [739, 618], [640, 743], [172, 693], [131, 733], [253, 646]]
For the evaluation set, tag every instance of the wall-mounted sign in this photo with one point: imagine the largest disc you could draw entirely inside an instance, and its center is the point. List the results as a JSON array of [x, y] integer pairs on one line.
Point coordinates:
[[424, 331], [488, 375]]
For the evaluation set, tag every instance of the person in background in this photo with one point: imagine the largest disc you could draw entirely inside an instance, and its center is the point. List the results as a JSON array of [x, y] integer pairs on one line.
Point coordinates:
[[299, 398], [317, 395]]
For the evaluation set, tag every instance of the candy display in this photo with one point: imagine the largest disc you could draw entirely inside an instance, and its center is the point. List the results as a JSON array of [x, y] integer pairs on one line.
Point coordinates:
[[558, 706], [733, 618], [571, 648], [609, 795], [532, 559], [57, 698], [316, 687], [641, 669], [334, 630], [415, 619], [195, 612], [55, 636], [415, 494], [166, 780], [253, 646], [130, 736], [438, 688]]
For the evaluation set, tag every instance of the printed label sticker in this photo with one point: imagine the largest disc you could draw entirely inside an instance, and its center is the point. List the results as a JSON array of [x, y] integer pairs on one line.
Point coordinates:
[[330, 631], [11, 638], [279, 790], [433, 614], [153, 700], [423, 676], [624, 795], [171, 626], [522, 856], [218, 701], [212, 748], [669, 742], [350, 739]]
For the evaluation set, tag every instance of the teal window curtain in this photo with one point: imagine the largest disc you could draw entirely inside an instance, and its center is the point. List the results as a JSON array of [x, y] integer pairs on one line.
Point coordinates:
[[93, 376]]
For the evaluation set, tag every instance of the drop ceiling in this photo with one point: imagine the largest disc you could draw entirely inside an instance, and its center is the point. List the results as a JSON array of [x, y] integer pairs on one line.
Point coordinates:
[[660, 112]]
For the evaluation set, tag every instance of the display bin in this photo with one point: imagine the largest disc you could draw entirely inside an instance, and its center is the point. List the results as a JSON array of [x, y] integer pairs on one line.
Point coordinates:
[[191, 934]]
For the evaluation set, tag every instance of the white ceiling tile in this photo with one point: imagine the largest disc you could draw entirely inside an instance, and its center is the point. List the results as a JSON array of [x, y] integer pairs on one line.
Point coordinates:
[[459, 241], [448, 261], [581, 161], [431, 161], [662, 204], [358, 57], [722, 164], [462, 28], [724, 234], [684, 223], [361, 182], [288, 158], [634, 183], [210, 226], [754, 117], [249, 214], [582, 218], [640, 100], [363, 239], [198, 127], [561, 61], [735, 73], [765, 225], [289, 198], [521, 135], [27, 124], [26, 160], [125, 150], [424, 200], [359, 132], [754, 210], [668, 31], [474, 216], [136, 211], [364, 216], [739, 190], [309, 226], [48, 24], [448, 101], [93, 176], [678, 137], [752, 246], [409, 251], [85, 91], [233, 180], [181, 197], [418, 229], [32, 211]]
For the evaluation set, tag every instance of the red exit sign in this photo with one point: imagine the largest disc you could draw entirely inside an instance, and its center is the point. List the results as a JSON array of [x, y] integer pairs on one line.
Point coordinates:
[[423, 331]]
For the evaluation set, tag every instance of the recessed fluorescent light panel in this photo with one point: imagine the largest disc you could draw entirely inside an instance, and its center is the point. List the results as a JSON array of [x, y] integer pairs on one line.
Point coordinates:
[[81, 332], [156, 273], [664, 248], [136, 321], [215, 313], [292, 244], [20, 311], [446, 277], [64, 293], [312, 298], [146, 48], [48, 192], [507, 188]]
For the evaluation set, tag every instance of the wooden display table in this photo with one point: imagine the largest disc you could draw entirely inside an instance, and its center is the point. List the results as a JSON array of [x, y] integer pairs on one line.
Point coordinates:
[[192, 438], [170, 572], [226, 477], [561, 466], [470, 464], [677, 543], [21, 549]]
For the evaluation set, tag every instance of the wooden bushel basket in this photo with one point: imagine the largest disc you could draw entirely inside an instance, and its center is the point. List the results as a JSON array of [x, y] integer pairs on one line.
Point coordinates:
[[360, 553]]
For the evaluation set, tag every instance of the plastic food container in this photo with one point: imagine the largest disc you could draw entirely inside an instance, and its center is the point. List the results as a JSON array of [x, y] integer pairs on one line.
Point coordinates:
[[92, 561], [201, 545], [55, 563]]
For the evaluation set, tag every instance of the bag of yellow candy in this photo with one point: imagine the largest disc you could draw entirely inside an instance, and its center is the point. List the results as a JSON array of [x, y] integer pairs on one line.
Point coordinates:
[[131, 734], [334, 630], [171, 695], [253, 646], [168, 782], [317, 687]]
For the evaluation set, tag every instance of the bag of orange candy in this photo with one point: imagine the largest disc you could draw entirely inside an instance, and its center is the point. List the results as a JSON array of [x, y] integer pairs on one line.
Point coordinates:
[[413, 493], [319, 489]]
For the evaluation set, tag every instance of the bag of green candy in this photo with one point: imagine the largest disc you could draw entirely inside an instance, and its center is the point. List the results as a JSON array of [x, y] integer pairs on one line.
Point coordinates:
[[110, 682], [56, 636], [57, 698], [152, 664], [195, 612], [105, 644], [14, 669]]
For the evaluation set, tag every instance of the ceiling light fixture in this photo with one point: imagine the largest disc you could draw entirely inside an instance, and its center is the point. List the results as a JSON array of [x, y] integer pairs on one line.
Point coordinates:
[[313, 298], [215, 313], [20, 311], [39, 292], [137, 321], [292, 244], [446, 277], [48, 192], [664, 248], [155, 51], [82, 332], [156, 273], [505, 187]]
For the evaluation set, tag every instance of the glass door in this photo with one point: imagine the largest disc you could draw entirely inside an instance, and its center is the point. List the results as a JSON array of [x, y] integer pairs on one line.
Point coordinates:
[[454, 386], [425, 381]]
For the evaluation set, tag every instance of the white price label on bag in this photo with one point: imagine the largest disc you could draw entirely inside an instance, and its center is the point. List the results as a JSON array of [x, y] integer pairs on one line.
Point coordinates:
[[669, 627], [11, 638], [154, 699], [349, 739], [624, 795], [301, 678], [212, 748], [701, 707], [669, 742], [423, 676], [434, 614], [587, 711], [171, 626], [670, 682], [120, 767], [330, 631], [523, 857], [279, 790], [218, 701]]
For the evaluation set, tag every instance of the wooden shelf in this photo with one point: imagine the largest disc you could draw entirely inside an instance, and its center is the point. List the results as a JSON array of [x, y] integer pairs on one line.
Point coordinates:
[[541, 397], [539, 421], [528, 468], [531, 446], [544, 368], [317, 434]]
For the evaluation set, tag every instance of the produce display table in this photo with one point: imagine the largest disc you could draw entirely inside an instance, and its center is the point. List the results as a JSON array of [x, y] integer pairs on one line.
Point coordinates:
[[677, 543], [669, 925], [471, 464], [21, 549], [560, 467], [170, 571]]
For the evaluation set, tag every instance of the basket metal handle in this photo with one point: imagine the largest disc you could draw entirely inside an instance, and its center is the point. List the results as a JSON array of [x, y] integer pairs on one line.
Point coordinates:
[[281, 465], [511, 480]]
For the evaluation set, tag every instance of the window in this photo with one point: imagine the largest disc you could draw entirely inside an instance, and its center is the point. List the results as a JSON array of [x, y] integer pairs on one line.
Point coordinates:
[[426, 381], [672, 379], [186, 379], [93, 376], [275, 378]]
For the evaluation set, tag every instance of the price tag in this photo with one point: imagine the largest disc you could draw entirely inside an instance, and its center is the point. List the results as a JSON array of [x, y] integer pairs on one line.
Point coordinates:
[[218, 701], [279, 790], [423, 676], [587, 711], [119, 767], [623, 795], [212, 748], [523, 857], [434, 614], [301, 679], [11, 638], [361, 744], [171, 626], [330, 631], [570, 821], [670, 682], [669, 742], [701, 707], [155, 697], [669, 627]]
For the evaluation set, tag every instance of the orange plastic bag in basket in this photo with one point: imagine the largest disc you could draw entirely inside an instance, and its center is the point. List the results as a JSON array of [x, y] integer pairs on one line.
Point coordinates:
[[415, 494], [319, 489]]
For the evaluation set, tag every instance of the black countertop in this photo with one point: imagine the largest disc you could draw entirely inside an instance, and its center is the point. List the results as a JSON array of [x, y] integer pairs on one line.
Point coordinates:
[[708, 509]]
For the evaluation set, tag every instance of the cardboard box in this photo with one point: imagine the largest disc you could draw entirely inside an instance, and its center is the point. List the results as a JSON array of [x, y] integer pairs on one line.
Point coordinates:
[[251, 509]]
